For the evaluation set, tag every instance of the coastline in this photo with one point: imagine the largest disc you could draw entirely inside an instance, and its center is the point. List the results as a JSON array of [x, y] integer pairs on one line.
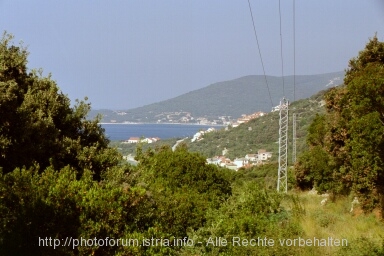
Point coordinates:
[[123, 131], [221, 125]]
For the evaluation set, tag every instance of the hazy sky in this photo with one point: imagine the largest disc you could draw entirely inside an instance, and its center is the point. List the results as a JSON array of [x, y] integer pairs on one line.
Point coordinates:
[[125, 54]]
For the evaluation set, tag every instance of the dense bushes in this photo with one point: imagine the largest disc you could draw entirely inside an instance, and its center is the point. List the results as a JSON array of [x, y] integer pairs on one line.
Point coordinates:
[[56, 205], [251, 213], [346, 144], [38, 125], [60, 181], [184, 184]]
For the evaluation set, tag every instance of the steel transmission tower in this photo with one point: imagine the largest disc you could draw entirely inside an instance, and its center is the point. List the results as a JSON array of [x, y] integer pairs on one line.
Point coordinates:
[[282, 182], [294, 138]]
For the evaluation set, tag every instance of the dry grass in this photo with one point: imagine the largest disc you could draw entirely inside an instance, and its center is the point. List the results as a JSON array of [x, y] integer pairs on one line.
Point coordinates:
[[335, 220]]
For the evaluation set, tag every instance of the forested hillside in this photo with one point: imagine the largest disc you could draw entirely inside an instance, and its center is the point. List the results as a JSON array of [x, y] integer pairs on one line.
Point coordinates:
[[248, 138], [65, 191], [346, 144], [261, 133], [232, 98]]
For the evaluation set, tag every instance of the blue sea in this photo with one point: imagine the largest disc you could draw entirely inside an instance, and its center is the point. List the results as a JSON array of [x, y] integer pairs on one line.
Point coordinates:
[[163, 131]]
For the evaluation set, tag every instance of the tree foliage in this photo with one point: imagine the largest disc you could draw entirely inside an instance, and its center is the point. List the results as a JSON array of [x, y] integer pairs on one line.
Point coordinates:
[[38, 125], [347, 143], [184, 186], [250, 213], [60, 180], [57, 205], [314, 167]]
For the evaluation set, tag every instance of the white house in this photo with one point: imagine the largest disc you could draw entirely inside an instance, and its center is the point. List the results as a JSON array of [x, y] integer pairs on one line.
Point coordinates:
[[240, 162], [132, 140], [223, 161], [251, 157], [263, 155], [231, 166], [276, 108], [211, 129], [214, 160], [137, 140], [199, 135], [147, 140]]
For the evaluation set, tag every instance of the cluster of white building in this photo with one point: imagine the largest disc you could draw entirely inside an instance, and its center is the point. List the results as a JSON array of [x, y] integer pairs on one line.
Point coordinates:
[[246, 118], [249, 160], [199, 135], [142, 140]]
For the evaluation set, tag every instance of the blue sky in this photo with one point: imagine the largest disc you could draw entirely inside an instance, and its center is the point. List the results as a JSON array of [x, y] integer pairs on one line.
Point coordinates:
[[126, 54]]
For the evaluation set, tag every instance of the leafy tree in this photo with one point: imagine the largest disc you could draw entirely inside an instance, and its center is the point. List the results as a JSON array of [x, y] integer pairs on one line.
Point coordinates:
[[250, 213], [314, 167], [54, 204], [347, 145], [38, 125], [183, 185], [59, 178], [265, 175]]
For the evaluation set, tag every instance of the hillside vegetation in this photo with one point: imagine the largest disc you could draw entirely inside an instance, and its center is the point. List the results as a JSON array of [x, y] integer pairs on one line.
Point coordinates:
[[248, 138], [232, 98], [346, 144], [261, 133], [81, 199]]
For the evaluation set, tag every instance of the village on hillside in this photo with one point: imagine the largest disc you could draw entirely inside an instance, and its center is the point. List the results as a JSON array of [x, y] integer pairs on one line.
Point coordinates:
[[181, 117], [248, 160], [242, 120], [141, 140], [246, 118]]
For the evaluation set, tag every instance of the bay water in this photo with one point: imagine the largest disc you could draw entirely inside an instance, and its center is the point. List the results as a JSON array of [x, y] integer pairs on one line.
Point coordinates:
[[119, 132]]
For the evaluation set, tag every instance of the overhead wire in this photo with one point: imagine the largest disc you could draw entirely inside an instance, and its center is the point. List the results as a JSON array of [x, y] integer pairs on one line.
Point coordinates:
[[258, 46], [281, 52], [294, 51]]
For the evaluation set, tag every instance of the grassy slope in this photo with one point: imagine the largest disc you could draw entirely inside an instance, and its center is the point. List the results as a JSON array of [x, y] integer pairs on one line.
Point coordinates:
[[364, 232]]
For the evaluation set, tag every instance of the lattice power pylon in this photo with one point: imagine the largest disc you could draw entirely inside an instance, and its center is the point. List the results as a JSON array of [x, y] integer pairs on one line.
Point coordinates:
[[282, 181], [294, 138]]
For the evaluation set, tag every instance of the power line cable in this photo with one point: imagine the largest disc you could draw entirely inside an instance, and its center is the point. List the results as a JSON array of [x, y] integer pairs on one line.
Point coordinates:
[[258, 46], [294, 51], [281, 52]]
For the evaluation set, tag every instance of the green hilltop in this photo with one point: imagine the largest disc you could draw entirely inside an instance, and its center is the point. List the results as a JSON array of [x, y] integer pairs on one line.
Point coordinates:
[[229, 98], [248, 138], [260, 133]]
